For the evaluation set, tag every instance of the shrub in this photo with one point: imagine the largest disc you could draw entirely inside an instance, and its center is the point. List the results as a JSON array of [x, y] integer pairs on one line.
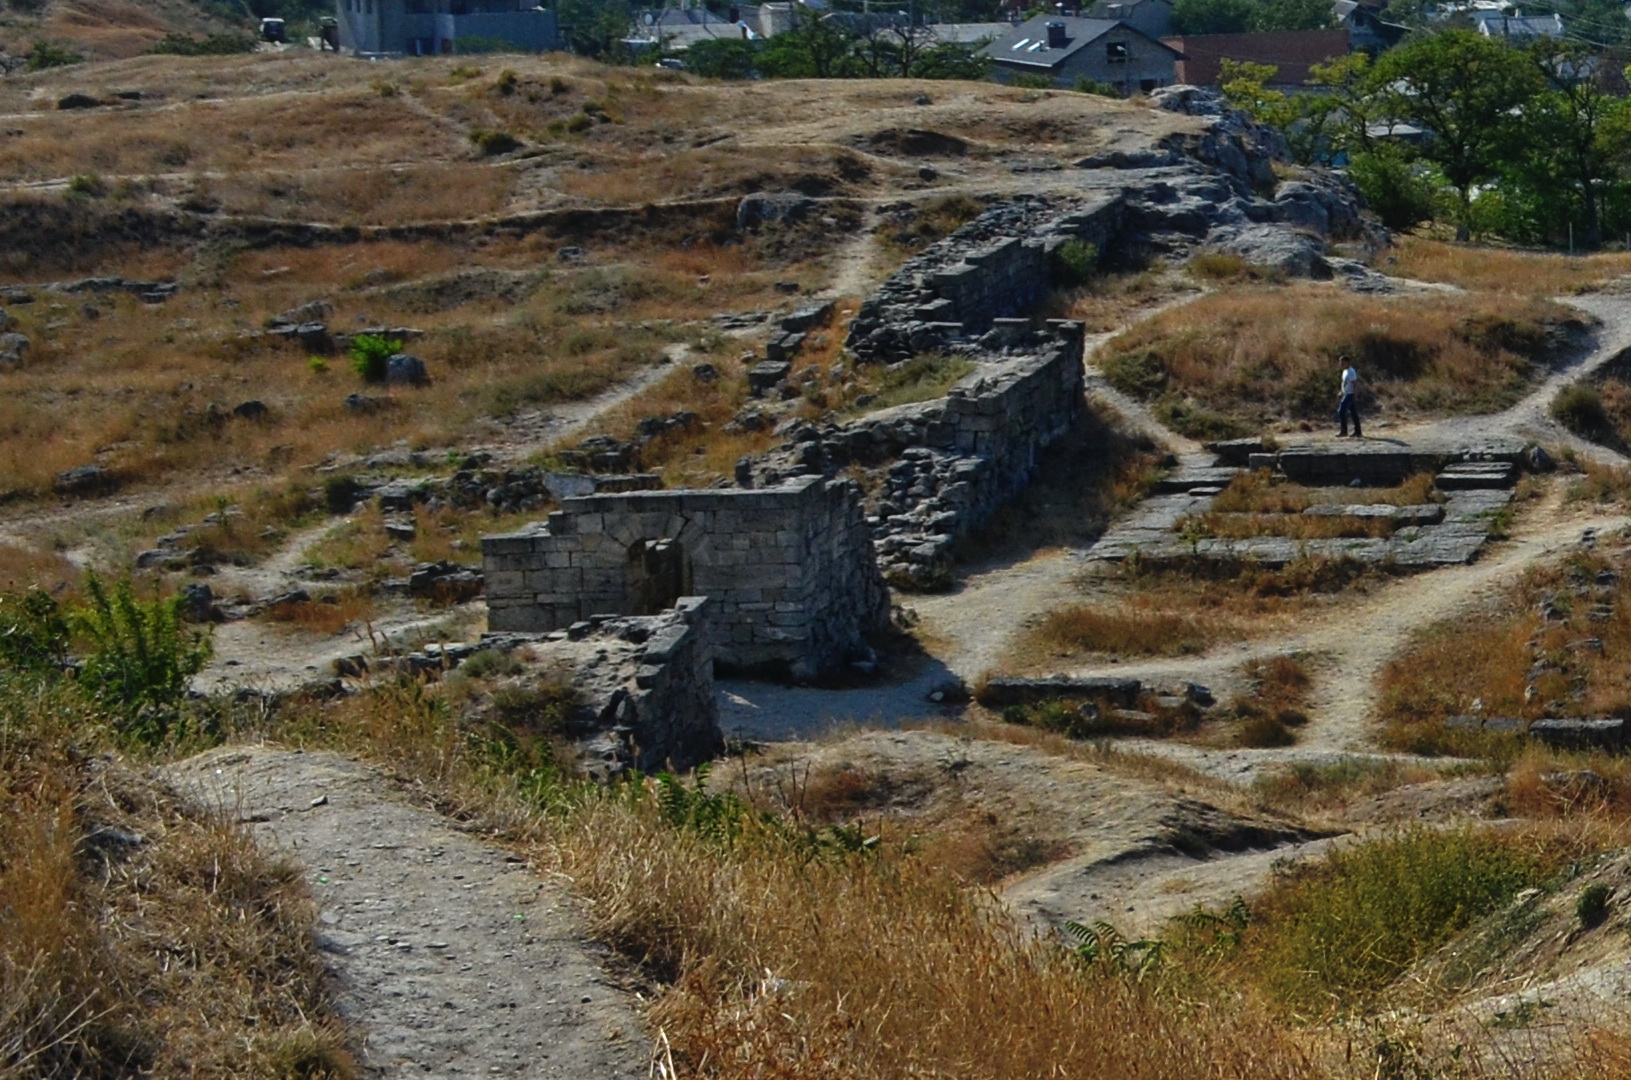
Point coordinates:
[[141, 658], [369, 353], [1398, 195], [340, 493], [33, 633], [1592, 907], [1342, 930], [46, 55], [1074, 264], [493, 143], [1579, 407], [87, 185], [507, 82]]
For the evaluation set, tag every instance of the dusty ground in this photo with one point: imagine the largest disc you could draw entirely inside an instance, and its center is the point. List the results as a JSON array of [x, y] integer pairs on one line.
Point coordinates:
[[452, 958]]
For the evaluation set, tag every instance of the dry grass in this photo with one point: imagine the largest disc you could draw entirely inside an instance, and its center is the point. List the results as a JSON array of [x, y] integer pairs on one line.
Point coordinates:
[[1261, 492], [1276, 705], [1305, 788], [1488, 269], [782, 967], [1295, 526], [1110, 301], [1511, 660], [1251, 357], [25, 567], [1176, 610], [184, 953], [1128, 630], [327, 614]]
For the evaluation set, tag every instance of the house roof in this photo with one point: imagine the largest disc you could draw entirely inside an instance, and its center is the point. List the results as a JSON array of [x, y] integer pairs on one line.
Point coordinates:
[[969, 33], [1494, 24], [1026, 45], [1101, 10]]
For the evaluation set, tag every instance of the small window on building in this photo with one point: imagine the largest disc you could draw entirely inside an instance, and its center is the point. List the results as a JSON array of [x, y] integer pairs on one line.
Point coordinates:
[[1147, 85], [1116, 52]]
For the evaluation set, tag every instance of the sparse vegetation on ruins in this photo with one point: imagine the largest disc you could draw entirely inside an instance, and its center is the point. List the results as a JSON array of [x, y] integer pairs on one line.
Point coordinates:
[[1139, 770]]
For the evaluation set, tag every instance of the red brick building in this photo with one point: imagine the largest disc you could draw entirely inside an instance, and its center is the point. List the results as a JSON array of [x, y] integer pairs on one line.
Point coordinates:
[[1292, 51]]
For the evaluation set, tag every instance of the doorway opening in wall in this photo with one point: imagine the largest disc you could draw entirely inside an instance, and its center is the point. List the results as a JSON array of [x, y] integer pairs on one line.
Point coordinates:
[[658, 574]]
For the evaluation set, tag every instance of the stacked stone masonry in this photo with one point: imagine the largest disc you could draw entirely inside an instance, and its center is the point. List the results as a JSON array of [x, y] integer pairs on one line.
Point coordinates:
[[790, 571], [644, 684], [1475, 483], [997, 265]]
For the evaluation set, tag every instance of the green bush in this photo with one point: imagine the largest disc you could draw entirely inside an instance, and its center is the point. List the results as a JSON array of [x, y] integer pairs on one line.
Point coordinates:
[[493, 143], [140, 658], [1393, 189], [340, 493], [1074, 264], [1592, 907], [46, 55], [369, 352], [33, 633], [1138, 374], [1344, 929], [1579, 407], [507, 82]]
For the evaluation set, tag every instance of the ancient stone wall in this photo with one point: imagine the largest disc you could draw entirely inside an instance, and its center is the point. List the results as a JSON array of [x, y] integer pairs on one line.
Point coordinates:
[[996, 265], [790, 571], [957, 459]]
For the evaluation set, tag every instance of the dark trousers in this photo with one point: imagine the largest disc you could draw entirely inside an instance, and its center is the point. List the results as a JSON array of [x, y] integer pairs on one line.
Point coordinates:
[[1348, 407]]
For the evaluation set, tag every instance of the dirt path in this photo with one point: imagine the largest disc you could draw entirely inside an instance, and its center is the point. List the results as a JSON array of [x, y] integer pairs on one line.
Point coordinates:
[[452, 958]]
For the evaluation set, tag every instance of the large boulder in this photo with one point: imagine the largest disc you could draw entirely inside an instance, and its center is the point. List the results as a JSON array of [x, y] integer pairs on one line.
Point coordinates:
[[761, 207], [405, 369], [1274, 247]]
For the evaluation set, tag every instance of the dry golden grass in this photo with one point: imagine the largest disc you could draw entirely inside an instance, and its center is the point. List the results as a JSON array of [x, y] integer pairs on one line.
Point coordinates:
[[187, 953], [1545, 783], [1110, 301], [1261, 492], [785, 968], [1255, 356], [1497, 270], [1178, 610], [1295, 526], [1513, 661], [25, 567], [327, 614]]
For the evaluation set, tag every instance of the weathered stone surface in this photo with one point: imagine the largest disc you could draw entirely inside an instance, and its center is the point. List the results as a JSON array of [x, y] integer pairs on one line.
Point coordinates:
[[83, 480], [405, 369], [78, 101], [764, 207], [789, 570]]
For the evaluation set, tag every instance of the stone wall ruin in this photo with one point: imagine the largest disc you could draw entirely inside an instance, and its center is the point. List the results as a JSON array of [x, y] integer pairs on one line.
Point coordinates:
[[793, 583]]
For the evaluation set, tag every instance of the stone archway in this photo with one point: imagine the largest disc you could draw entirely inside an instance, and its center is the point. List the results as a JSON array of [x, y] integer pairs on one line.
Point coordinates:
[[659, 573]]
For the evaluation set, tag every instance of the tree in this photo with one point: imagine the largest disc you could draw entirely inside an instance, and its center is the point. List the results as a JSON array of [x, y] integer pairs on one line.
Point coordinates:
[[818, 47], [1574, 137], [724, 58], [1211, 16], [1466, 92]]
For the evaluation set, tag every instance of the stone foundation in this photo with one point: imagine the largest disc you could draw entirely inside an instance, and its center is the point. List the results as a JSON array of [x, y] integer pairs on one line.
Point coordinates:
[[997, 265], [793, 584], [645, 686]]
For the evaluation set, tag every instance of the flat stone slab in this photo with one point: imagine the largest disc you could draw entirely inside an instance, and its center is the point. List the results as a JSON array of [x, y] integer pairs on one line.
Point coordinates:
[[1416, 514], [1021, 691], [1473, 475], [1188, 479]]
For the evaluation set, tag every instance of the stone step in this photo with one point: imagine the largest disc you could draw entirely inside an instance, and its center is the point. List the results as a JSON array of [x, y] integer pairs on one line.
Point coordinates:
[[1187, 480], [1475, 475]]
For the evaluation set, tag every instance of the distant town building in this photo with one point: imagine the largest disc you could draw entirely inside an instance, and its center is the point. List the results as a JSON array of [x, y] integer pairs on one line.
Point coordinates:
[[1517, 29], [1152, 17], [1291, 52], [433, 27], [1067, 50], [1367, 31]]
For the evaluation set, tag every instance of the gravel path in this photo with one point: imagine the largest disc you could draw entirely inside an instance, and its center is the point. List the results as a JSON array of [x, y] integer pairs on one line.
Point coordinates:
[[452, 957]]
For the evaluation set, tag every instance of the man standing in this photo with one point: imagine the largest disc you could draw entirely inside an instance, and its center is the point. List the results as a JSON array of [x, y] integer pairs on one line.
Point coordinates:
[[1348, 404]]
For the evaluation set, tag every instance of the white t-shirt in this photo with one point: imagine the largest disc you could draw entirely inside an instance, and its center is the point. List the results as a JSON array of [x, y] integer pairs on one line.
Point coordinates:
[[1350, 380]]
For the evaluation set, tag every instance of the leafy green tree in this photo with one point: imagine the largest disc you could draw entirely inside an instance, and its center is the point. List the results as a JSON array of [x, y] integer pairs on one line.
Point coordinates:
[[1212, 16], [1467, 91], [1292, 15], [1395, 190], [724, 58], [1575, 139], [817, 47]]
